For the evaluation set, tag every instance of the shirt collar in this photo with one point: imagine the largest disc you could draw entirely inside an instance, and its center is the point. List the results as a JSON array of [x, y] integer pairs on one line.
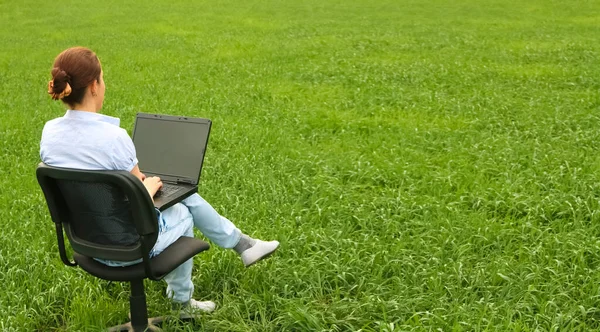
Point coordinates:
[[83, 115]]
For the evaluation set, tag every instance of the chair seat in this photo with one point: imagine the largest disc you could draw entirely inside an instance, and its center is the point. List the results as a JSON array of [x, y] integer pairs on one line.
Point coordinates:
[[174, 255]]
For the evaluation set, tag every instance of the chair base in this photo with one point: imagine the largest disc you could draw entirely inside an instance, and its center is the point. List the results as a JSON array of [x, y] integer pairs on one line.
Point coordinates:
[[153, 323]]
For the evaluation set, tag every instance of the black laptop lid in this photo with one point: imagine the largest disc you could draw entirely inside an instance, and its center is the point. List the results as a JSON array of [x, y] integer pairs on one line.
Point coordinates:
[[171, 147]]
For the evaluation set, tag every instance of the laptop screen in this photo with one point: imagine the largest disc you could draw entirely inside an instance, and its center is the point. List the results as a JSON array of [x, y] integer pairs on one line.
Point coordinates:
[[171, 147]]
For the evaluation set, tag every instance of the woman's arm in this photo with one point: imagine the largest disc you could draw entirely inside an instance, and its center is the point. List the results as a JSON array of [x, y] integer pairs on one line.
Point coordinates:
[[136, 171], [152, 184]]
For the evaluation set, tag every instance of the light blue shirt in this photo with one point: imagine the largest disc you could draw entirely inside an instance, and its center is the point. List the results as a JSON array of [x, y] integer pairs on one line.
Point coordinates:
[[86, 140]]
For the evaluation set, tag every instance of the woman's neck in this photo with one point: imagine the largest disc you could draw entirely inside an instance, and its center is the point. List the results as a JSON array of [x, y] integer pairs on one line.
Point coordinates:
[[85, 107]]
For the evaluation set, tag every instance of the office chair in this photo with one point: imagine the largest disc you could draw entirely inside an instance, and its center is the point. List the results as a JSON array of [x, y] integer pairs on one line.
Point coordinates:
[[109, 215]]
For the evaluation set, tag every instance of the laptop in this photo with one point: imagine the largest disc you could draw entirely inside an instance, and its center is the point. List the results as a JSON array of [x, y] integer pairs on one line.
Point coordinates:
[[172, 148]]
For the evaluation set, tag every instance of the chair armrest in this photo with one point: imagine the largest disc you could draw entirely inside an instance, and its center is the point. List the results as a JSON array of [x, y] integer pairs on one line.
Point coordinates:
[[61, 246]]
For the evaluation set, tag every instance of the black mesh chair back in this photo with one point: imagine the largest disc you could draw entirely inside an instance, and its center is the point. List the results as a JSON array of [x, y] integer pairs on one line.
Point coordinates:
[[98, 213], [105, 214]]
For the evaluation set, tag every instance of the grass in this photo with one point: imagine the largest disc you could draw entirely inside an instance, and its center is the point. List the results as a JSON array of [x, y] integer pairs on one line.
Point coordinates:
[[426, 165]]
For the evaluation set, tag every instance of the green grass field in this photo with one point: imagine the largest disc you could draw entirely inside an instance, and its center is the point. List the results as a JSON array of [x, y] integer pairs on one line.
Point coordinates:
[[426, 165]]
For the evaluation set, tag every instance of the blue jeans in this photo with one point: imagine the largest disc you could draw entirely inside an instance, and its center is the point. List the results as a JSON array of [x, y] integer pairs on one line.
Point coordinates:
[[178, 221]]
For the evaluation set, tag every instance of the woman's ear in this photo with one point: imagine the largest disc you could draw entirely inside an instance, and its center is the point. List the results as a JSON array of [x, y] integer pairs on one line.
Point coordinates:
[[94, 87]]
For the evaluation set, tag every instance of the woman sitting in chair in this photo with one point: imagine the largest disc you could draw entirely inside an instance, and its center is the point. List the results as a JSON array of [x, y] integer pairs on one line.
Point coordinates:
[[85, 139]]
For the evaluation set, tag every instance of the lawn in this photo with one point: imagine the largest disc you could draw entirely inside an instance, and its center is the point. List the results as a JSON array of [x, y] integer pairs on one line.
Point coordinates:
[[426, 165]]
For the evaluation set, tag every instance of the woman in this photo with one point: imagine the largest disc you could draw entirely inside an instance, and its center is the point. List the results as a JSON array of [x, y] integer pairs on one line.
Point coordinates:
[[86, 139]]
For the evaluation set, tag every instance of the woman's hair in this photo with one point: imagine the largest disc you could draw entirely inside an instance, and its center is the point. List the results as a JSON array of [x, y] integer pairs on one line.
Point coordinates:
[[74, 69]]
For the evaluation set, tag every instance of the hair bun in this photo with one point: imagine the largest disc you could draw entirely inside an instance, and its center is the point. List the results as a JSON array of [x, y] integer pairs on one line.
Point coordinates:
[[59, 86]]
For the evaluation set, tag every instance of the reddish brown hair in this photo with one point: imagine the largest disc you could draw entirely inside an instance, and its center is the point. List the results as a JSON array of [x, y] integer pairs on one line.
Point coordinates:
[[77, 66]]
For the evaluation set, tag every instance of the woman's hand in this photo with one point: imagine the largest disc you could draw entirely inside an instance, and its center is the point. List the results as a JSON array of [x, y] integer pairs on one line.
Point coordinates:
[[152, 184]]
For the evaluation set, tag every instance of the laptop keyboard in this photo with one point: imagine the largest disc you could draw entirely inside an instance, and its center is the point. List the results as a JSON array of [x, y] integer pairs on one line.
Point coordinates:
[[166, 190]]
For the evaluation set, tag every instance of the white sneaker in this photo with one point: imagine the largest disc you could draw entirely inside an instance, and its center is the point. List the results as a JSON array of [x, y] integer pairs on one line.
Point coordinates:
[[258, 251], [204, 306]]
